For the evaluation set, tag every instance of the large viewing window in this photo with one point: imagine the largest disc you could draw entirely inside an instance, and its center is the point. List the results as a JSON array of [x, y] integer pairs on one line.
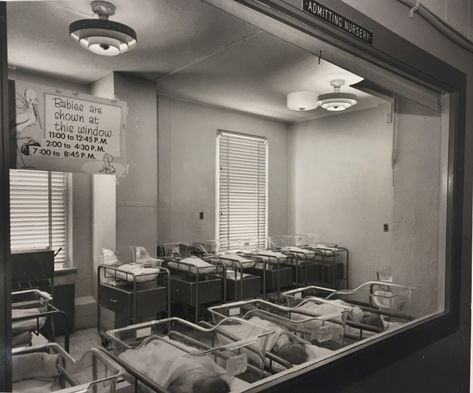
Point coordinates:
[[236, 167]]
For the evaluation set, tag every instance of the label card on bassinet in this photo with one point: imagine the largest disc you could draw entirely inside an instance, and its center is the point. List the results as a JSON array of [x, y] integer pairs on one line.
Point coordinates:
[[237, 364], [322, 334], [233, 311], [144, 332], [298, 295]]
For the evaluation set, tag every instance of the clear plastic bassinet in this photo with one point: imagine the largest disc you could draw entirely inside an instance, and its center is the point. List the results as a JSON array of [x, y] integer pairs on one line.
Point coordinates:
[[321, 329], [196, 341]]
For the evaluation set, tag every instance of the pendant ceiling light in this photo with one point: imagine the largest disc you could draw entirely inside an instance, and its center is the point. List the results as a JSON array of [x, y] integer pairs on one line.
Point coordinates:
[[337, 101], [302, 101], [103, 36]]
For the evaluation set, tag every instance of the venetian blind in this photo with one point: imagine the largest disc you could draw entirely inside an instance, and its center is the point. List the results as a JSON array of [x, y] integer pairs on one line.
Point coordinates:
[[39, 212], [242, 190]]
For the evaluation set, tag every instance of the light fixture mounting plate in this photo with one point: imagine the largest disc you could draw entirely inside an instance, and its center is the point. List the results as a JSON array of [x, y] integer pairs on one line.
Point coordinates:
[[103, 8]]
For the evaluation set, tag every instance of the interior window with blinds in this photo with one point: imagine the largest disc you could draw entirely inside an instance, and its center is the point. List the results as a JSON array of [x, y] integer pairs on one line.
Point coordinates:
[[39, 212], [242, 190]]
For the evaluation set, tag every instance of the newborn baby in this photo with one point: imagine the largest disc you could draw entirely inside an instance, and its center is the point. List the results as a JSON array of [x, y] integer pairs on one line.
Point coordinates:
[[281, 343], [176, 370], [335, 307]]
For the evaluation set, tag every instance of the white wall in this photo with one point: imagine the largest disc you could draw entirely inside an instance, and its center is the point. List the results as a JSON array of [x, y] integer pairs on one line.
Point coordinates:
[[426, 369], [417, 203], [341, 185], [187, 140], [137, 192]]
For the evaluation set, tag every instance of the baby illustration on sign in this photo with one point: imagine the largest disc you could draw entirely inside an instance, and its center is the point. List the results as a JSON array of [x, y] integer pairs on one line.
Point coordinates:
[[108, 168], [27, 116]]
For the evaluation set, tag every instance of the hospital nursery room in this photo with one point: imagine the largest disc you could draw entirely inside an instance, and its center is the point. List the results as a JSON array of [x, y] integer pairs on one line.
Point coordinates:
[[202, 200]]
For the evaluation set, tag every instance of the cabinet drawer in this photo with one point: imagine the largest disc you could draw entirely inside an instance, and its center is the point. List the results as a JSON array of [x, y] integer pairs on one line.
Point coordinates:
[[115, 299], [150, 302]]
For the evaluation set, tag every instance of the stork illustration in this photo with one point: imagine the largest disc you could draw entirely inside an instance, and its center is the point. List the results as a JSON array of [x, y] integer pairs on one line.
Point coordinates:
[[28, 105], [27, 116]]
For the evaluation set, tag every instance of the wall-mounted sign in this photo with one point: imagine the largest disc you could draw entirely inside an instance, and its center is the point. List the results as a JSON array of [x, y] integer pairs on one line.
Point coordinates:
[[57, 130], [326, 14]]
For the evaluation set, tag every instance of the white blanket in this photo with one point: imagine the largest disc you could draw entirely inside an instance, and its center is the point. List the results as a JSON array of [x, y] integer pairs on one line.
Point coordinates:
[[142, 274], [229, 258], [269, 256], [196, 263], [163, 363], [298, 250]]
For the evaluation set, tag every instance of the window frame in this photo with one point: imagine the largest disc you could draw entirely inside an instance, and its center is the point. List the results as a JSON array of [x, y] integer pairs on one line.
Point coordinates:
[[221, 133]]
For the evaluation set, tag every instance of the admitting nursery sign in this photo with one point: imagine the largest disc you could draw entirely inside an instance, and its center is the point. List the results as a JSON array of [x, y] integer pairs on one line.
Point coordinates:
[[65, 131], [327, 15]]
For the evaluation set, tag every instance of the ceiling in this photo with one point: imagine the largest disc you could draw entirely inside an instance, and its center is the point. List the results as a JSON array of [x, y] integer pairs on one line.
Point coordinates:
[[192, 50]]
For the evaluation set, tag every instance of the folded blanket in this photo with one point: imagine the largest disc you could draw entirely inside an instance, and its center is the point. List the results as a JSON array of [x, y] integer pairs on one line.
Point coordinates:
[[35, 365], [142, 274], [297, 250], [269, 255], [29, 324], [324, 247], [199, 265], [228, 258]]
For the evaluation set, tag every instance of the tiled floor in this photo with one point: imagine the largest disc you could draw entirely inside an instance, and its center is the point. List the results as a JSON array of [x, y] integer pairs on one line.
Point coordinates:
[[81, 341]]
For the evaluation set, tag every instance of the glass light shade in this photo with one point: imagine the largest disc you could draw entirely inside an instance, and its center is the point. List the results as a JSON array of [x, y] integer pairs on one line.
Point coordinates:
[[302, 101], [336, 102], [103, 37], [102, 45]]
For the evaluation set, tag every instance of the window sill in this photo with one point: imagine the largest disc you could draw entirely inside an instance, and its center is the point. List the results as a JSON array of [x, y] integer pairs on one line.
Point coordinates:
[[65, 271]]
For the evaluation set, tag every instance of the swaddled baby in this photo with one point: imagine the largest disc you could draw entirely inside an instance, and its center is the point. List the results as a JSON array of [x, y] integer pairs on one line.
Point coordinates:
[[335, 307], [280, 342], [176, 370]]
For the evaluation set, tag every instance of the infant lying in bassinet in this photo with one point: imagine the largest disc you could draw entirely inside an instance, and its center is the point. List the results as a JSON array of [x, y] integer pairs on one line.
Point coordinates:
[[337, 308], [281, 342], [178, 371]]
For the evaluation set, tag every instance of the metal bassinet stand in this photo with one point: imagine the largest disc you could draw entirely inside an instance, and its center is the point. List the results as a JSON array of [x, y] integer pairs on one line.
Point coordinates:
[[133, 301]]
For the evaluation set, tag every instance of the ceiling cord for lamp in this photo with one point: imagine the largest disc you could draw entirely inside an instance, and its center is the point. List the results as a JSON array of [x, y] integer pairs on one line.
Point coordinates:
[[443, 27]]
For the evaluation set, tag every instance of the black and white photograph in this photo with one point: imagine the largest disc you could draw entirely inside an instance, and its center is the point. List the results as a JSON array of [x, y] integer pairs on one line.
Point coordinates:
[[229, 196]]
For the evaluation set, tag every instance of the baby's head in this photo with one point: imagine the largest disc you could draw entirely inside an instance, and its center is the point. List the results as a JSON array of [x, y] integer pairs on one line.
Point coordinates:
[[199, 382], [294, 353], [213, 384], [374, 320]]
